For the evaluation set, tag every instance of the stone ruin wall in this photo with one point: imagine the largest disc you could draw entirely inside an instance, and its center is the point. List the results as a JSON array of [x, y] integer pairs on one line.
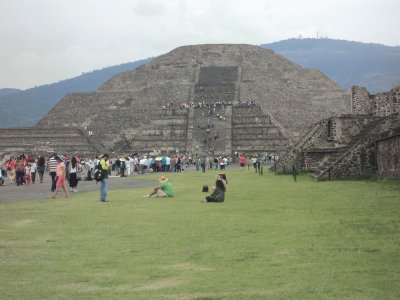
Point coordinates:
[[334, 141], [342, 129], [346, 146], [378, 153], [360, 100], [388, 147], [381, 104], [388, 157], [356, 162], [294, 157]]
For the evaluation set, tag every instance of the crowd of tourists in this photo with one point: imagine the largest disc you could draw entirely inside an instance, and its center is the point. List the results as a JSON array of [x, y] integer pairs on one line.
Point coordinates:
[[25, 170], [211, 104], [28, 169]]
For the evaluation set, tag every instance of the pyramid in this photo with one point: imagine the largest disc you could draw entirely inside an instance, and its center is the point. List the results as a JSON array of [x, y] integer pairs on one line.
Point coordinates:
[[265, 102]]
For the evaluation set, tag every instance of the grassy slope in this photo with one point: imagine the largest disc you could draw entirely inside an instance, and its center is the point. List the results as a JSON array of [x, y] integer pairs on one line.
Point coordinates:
[[272, 238]]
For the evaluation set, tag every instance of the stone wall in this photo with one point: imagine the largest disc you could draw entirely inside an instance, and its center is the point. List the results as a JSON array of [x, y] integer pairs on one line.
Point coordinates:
[[382, 104], [294, 157], [356, 162], [360, 100], [343, 128], [354, 156], [388, 156]]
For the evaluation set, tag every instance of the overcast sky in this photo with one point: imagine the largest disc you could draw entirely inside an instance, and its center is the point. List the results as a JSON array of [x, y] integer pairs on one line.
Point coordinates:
[[44, 41]]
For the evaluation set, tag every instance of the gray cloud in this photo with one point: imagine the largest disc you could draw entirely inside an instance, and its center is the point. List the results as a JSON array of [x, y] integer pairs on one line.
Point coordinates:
[[44, 41], [149, 8]]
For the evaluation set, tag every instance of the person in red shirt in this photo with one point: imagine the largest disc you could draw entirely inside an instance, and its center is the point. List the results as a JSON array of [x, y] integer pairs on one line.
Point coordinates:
[[242, 161]]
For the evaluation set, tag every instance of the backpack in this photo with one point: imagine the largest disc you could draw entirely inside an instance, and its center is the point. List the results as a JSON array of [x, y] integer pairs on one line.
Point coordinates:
[[205, 189], [98, 173]]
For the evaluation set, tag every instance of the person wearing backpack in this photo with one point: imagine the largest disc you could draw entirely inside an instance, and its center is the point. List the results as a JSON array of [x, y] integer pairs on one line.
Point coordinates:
[[104, 181]]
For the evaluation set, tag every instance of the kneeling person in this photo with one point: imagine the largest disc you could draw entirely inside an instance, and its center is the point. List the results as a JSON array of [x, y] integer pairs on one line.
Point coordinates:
[[164, 190]]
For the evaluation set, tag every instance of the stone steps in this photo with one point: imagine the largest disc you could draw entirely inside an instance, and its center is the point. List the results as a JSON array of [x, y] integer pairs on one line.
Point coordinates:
[[46, 141]]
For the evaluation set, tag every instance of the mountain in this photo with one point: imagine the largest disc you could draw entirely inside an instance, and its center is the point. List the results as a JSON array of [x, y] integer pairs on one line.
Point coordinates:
[[8, 91], [374, 66], [25, 108]]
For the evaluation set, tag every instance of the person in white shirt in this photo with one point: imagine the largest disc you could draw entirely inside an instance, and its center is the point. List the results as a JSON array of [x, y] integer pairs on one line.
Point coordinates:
[[143, 164], [225, 160], [135, 164], [33, 171], [168, 163], [254, 161]]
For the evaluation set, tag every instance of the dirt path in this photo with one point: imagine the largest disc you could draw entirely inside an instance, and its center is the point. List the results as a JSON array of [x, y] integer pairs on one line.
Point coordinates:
[[37, 191]]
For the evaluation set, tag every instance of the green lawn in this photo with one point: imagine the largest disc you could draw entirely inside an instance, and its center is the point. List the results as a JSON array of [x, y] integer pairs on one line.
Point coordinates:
[[273, 238]]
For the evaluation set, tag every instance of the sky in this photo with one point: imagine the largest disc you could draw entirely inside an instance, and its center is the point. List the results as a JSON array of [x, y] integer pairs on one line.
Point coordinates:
[[45, 41]]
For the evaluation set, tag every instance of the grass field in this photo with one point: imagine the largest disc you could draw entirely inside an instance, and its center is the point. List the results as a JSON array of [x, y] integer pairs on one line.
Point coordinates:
[[273, 238]]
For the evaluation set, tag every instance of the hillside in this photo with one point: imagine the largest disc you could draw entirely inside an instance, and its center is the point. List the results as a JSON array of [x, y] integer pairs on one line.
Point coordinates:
[[374, 66], [8, 91], [25, 108]]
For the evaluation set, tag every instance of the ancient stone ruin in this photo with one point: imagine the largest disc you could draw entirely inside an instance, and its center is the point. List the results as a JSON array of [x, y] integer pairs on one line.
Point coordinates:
[[351, 145], [262, 102]]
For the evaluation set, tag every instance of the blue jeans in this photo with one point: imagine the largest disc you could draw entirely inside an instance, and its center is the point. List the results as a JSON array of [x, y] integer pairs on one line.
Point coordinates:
[[103, 189]]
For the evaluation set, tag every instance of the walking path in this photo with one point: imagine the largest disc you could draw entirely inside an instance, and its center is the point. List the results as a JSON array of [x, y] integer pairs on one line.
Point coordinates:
[[37, 191]]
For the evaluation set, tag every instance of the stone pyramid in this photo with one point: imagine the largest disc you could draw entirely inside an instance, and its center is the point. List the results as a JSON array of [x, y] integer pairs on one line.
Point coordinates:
[[140, 110]]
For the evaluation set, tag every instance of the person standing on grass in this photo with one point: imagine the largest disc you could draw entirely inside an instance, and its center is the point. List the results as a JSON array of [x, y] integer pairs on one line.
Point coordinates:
[[20, 171], [254, 161], [60, 177], [53, 163], [28, 174], [104, 181], [41, 166], [10, 165], [73, 174], [33, 171], [2, 169], [242, 161]]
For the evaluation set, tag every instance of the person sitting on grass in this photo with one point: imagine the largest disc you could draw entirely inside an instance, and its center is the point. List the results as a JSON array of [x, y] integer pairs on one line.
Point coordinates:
[[164, 190], [218, 195], [222, 177]]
